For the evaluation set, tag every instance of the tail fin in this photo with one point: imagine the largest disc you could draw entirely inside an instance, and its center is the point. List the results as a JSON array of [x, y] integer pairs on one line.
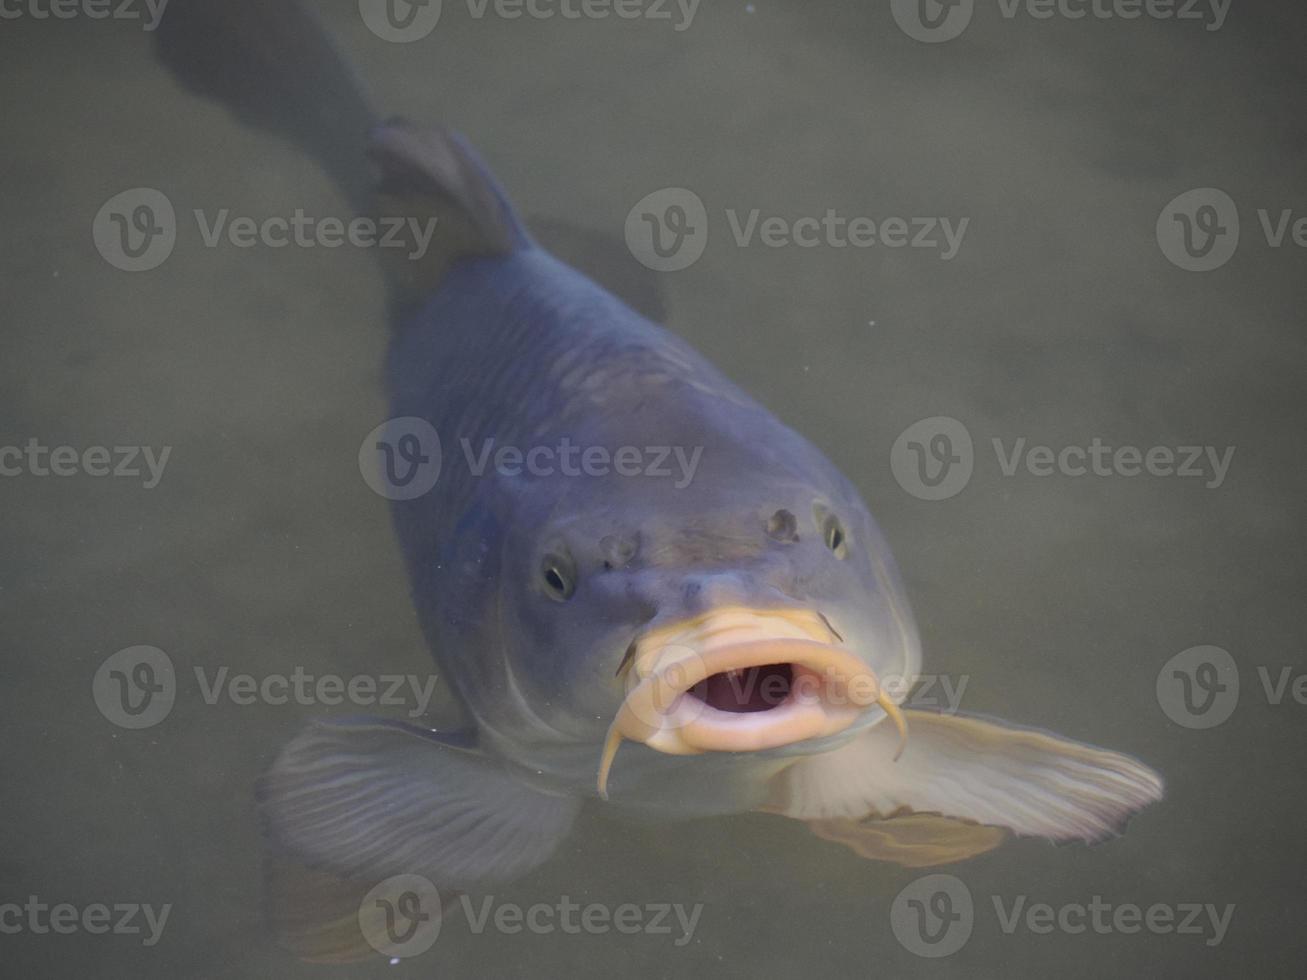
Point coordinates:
[[271, 63]]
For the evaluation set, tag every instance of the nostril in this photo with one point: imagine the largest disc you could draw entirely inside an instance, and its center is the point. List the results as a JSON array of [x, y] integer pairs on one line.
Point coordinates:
[[618, 550], [701, 592], [783, 526]]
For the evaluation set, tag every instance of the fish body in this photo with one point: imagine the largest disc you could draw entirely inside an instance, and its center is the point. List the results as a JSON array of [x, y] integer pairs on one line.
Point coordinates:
[[521, 350], [716, 640]]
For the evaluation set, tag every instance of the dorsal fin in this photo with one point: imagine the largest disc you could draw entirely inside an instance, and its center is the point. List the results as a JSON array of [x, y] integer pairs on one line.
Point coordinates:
[[438, 165], [426, 175]]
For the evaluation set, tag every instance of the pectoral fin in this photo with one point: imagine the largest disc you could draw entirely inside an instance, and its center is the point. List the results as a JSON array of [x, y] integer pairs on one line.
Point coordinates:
[[372, 799], [973, 771], [316, 915]]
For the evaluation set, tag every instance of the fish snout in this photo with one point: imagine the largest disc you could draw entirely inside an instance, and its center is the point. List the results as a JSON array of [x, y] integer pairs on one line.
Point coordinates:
[[766, 588], [705, 592], [741, 680]]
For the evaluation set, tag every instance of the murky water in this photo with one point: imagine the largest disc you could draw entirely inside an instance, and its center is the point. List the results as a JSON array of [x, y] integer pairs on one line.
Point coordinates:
[[1057, 320]]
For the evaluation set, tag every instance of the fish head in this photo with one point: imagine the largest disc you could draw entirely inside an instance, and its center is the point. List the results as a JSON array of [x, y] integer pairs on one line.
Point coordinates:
[[754, 608]]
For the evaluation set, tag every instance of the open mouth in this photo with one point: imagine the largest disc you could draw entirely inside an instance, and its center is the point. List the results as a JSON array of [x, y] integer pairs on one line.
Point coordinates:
[[748, 689], [741, 680]]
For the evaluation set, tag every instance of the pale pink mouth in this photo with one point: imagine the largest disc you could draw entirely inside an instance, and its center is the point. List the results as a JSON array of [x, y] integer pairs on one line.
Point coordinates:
[[744, 690], [741, 680]]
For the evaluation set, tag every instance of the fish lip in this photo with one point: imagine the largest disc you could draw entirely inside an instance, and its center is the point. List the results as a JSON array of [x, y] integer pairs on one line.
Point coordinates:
[[830, 687]]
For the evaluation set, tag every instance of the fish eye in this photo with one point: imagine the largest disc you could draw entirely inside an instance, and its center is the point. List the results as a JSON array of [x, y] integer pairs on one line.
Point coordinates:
[[832, 532], [782, 526], [559, 576]]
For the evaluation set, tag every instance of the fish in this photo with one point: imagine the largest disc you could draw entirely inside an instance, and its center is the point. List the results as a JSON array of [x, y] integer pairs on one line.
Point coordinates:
[[736, 641]]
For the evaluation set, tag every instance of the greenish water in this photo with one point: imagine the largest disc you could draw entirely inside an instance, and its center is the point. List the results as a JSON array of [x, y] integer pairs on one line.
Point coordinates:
[[1058, 321]]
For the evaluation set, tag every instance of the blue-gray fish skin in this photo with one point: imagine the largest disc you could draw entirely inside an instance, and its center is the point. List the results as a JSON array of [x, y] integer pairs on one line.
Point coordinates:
[[521, 350], [715, 637]]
